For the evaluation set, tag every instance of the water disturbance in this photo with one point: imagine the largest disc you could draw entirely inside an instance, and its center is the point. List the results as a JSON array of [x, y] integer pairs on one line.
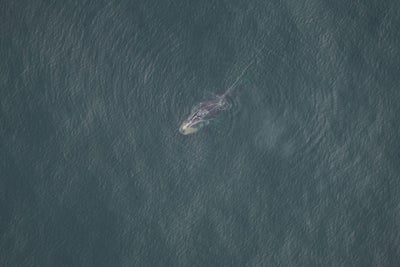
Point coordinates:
[[296, 163]]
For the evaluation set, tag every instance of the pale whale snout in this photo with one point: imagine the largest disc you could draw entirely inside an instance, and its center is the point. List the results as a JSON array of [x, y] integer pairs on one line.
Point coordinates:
[[185, 129]]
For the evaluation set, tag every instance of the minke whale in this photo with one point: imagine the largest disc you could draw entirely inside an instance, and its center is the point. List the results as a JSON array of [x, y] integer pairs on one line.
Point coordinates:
[[202, 113]]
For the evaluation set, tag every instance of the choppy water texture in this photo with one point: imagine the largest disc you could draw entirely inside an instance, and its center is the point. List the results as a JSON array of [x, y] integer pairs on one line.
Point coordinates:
[[303, 170]]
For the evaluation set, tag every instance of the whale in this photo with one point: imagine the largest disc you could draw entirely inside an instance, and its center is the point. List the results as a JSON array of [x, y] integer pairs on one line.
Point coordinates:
[[203, 113]]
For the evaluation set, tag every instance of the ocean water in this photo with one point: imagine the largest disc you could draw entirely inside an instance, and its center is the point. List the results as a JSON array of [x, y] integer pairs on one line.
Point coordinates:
[[303, 170]]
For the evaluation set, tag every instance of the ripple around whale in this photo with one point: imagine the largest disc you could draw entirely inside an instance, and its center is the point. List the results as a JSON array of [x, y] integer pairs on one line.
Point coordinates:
[[264, 87]]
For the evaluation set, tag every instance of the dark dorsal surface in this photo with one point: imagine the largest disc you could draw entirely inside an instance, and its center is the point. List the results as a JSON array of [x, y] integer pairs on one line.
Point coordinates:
[[209, 109]]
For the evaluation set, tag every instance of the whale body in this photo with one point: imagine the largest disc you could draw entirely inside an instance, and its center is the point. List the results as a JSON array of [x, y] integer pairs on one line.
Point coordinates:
[[205, 111], [202, 113]]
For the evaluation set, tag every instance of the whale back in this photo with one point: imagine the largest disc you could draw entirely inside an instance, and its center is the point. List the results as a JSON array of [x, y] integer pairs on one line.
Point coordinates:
[[209, 109]]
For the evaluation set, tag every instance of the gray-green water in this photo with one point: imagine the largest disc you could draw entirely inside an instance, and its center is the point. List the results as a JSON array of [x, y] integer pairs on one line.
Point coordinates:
[[302, 171]]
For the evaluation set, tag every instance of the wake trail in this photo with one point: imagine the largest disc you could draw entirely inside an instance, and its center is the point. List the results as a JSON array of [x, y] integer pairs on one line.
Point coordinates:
[[244, 71]]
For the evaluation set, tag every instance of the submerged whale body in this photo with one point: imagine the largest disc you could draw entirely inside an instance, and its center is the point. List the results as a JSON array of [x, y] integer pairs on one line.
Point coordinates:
[[205, 111], [202, 114]]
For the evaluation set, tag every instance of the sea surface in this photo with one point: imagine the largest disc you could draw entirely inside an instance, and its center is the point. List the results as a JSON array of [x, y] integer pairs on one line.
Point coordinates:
[[303, 170]]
